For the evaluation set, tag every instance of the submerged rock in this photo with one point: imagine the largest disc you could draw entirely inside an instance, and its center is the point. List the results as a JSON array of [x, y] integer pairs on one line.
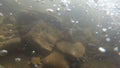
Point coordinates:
[[39, 30], [76, 49], [55, 60], [8, 34], [44, 35]]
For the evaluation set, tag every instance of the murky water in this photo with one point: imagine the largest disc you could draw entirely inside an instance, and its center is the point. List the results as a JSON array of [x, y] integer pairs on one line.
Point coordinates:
[[59, 34]]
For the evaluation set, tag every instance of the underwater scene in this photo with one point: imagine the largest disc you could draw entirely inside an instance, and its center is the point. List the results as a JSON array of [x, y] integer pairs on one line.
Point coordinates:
[[59, 33]]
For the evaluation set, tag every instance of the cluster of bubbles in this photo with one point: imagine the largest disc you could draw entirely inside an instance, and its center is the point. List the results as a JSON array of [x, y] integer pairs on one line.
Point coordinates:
[[104, 50], [111, 7], [1, 14], [63, 5]]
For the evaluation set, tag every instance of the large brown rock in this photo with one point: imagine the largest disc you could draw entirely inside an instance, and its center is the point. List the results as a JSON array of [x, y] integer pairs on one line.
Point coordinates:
[[76, 49], [44, 35], [55, 60]]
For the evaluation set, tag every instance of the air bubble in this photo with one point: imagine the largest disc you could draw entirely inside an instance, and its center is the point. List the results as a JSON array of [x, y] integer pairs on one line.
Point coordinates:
[[109, 27], [96, 32], [36, 66], [76, 21], [1, 4], [33, 51], [43, 2], [17, 59], [58, 9], [1, 14], [72, 21], [65, 3], [50, 10], [99, 25], [108, 39], [11, 13], [116, 49], [101, 49], [11, 30], [106, 35], [3, 52], [104, 29], [68, 9], [31, 6]]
